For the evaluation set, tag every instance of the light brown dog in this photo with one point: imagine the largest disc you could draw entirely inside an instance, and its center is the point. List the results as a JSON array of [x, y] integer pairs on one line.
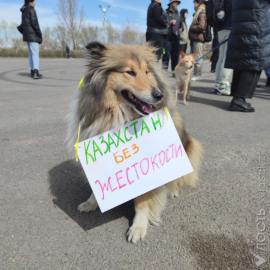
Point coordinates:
[[183, 73], [123, 83]]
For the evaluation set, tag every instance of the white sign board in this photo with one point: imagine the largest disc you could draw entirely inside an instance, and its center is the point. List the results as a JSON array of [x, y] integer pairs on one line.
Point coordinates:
[[125, 163]]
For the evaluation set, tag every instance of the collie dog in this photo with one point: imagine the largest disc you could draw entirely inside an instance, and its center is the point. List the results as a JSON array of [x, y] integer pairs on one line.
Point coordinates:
[[183, 72], [123, 83]]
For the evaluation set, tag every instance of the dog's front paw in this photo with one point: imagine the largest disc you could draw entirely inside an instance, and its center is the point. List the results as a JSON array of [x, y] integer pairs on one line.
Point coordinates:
[[185, 103], [87, 206], [135, 233]]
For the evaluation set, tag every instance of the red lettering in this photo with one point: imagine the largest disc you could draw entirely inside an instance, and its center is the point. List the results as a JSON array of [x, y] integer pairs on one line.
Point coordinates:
[[119, 178], [177, 150], [153, 162], [163, 158], [145, 172], [134, 165], [172, 149], [106, 186], [167, 156], [128, 177]]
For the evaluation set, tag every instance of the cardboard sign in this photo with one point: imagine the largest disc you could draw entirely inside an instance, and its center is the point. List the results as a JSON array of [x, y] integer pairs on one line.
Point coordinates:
[[124, 163]]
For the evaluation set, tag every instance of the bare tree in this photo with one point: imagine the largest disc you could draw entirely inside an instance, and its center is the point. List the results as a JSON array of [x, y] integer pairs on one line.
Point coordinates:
[[112, 34], [4, 32], [71, 18], [61, 36], [88, 34]]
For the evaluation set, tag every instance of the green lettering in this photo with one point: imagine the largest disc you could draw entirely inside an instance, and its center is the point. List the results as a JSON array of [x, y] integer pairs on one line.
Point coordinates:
[[102, 141], [135, 129], [111, 142], [87, 154], [96, 149], [126, 135], [144, 126], [119, 138], [157, 122]]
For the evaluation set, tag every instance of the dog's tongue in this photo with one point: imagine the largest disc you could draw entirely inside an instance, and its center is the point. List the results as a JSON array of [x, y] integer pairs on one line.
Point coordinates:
[[145, 107]]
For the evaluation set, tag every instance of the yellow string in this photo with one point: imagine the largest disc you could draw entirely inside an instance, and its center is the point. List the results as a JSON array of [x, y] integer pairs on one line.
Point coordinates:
[[167, 113], [81, 82], [77, 143]]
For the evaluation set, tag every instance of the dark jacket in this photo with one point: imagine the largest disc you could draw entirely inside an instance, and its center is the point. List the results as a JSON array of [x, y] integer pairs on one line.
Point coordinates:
[[196, 30], [156, 19], [249, 41], [228, 16], [174, 29], [30, 25]]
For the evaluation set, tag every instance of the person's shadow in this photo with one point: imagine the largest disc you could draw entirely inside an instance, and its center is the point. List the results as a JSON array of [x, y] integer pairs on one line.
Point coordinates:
[[70, 188]]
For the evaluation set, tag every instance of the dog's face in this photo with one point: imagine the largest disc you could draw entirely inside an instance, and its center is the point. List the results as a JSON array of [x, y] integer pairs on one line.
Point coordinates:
[[122, 74], [187, 61]]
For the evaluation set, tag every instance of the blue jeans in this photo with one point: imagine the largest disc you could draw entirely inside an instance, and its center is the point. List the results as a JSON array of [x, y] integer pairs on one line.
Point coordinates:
[[33, 48], [172, 48], [267, 72]]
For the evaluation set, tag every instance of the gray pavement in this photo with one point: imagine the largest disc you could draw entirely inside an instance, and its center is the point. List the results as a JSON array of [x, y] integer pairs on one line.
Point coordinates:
[[211, 227]]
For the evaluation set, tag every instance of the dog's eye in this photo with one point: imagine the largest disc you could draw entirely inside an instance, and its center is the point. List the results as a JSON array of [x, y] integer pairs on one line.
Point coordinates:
[[186, 61], [132, 73], [147, 72]]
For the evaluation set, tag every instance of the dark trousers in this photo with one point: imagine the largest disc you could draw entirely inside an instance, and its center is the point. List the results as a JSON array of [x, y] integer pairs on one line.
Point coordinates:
[[183, 48], [68, 55], [157, 41], [172, 49], [244, 83]]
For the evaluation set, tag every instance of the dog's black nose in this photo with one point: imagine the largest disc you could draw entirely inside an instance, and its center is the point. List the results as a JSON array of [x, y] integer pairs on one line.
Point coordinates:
[[157, 95], [191, 67]]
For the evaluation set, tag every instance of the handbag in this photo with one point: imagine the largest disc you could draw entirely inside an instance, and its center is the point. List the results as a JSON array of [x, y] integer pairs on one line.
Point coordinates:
[[20, 28]]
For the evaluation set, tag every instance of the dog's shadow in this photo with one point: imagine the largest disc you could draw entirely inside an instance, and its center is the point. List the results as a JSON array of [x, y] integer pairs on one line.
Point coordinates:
[[69, 189]]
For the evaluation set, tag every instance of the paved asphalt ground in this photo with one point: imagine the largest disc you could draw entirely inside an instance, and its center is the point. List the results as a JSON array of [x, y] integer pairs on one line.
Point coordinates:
[[211, 227]]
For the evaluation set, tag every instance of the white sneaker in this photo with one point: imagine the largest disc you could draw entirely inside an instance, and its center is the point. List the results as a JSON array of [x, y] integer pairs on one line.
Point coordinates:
[[196, 78], [217, 86], [223, 90]]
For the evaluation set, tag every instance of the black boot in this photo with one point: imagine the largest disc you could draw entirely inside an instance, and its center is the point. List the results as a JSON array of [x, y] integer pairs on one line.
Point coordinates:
[[240, 105], [32, 73], [36, 74], [268, 82]]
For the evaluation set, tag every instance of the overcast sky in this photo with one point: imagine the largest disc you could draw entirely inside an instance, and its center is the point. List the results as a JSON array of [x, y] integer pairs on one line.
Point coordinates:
[[118, 14]]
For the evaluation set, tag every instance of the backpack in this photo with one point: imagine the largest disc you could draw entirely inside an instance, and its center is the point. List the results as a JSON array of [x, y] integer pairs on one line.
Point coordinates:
[[213, 7]]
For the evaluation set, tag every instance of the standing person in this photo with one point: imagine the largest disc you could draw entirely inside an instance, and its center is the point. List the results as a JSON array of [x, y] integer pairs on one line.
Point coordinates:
[[248, 49], [32, 35], [68, 51], [184, 34], [172, 45], [157, 26], [222, 86], [196, 30], [215, 54]]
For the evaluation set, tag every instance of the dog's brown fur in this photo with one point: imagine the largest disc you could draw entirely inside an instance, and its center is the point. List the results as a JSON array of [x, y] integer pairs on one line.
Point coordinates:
[[183, 72], [100, 106]]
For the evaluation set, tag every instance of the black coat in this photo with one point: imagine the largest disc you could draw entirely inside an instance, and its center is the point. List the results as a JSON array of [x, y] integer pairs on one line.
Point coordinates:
[[30, 25], [174, 29], [249, 41], [156, 19]]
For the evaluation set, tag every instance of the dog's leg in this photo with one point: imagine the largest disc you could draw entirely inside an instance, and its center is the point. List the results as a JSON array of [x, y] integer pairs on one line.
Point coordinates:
[[147, 210], [176, 90], [185, 94], [173, 189], [90, 205], [189, 85]]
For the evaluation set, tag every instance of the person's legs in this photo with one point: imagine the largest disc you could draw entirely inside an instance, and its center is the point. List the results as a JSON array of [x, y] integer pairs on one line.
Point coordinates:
[[157, 41], [267, 73], [175, 54], [198, 47], [166, 56], [243, 86], [31, 65], [222, 74], [34, 47], [183, 48]]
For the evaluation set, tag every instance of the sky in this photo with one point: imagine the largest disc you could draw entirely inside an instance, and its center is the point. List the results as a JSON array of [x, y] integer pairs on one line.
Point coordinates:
[[119, 14]]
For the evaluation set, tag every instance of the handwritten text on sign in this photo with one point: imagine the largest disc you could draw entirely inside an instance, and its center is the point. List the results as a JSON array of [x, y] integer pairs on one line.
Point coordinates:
[[140, 156]]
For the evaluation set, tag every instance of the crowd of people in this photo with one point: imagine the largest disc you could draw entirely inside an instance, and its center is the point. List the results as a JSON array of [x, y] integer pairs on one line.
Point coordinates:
[[243, 31]]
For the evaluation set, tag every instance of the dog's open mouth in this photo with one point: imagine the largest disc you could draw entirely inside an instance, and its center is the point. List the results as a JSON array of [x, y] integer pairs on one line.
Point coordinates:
[[140, 105]]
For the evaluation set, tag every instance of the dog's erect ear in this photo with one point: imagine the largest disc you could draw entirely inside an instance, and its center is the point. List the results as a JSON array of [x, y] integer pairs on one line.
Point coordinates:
[[96, 48], [195, 55], [181, 56]]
